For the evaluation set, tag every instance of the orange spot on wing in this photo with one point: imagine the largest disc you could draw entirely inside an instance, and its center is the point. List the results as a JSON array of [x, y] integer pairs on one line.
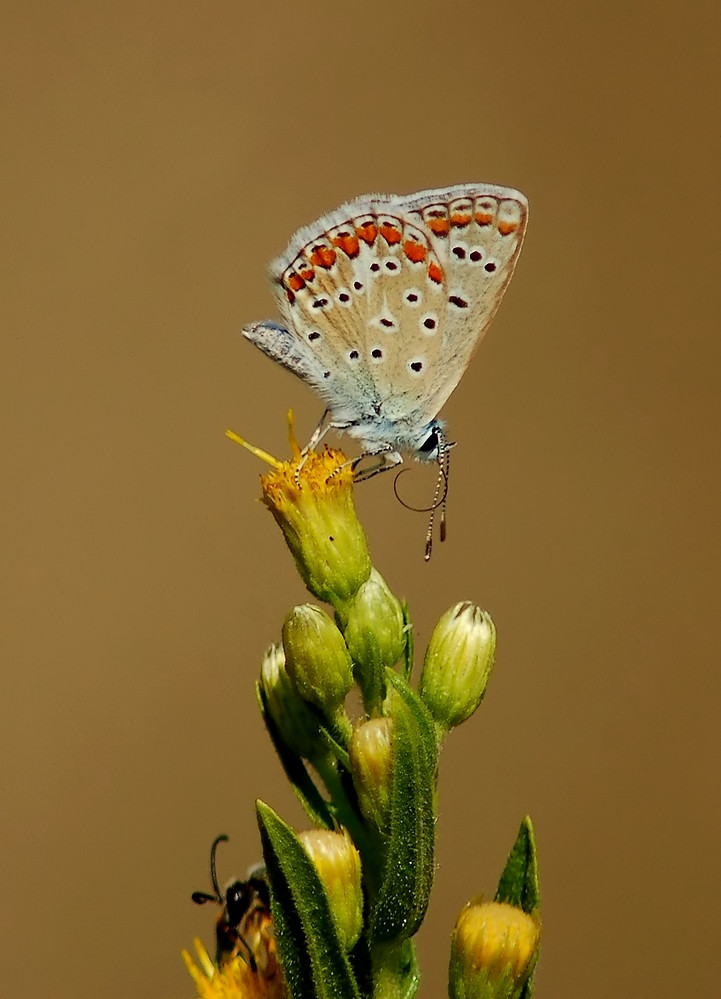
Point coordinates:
[[435, 272], [367, 231], [506, 228], [307, 273], [439, 227], [461, 218], [348, 244], [322, 256], [484, 218], [295, 282], [390, 233], [416, 252]]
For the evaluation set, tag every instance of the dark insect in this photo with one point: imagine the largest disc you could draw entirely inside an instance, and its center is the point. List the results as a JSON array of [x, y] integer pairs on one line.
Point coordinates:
[[245, 916]]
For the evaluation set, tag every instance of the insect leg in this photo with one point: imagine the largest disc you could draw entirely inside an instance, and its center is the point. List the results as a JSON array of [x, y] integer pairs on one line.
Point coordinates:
[[388, 458]]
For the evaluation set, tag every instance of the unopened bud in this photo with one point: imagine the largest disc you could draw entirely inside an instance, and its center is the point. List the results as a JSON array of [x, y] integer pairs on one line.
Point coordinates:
[[458, 663], [375, 635], [338, 864], [493, 951], [316, 657], [291, 715], [371, 757]]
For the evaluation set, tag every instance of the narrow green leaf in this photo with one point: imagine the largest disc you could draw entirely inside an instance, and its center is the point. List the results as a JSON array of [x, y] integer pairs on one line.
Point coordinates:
[[408, 656], [308, 794], [331, 741], [313, 958], [519, 882], [400, 904], [422, 717]]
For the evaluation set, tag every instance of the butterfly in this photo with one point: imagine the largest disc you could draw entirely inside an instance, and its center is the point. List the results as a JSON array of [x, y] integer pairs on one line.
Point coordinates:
[[383, 303]]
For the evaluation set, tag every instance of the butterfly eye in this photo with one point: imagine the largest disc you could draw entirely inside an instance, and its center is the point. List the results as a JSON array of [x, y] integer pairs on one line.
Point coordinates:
[[430, 444]]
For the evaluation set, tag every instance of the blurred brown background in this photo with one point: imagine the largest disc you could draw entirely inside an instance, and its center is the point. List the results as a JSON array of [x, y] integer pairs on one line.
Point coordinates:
[[156, 156]]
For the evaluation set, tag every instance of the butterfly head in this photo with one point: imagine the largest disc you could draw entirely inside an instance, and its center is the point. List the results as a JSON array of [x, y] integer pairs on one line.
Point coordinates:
[[432, 442]]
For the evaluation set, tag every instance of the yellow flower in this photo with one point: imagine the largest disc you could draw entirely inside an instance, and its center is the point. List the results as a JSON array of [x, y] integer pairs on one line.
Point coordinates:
[[339, 866], [235, 979], [371, 757], [492, 951], [311, 498]]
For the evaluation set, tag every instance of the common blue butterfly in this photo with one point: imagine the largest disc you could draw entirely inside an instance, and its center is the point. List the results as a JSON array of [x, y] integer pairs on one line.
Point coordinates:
[[384, 302]]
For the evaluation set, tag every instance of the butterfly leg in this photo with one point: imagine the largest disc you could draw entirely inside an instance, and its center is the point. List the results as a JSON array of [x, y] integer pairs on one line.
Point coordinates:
[[316, 437], [388, 458], [318, 434]]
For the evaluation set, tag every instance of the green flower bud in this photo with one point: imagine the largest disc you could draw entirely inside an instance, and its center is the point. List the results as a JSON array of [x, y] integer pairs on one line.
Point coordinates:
[[311, 498], [338, 864], [371, 757], [316, 658], [375, 635], [458, 663], [294, 720], [493, 951]]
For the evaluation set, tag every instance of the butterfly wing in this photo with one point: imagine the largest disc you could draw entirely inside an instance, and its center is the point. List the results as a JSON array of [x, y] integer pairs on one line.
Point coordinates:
[[476, 232], [386, 299]]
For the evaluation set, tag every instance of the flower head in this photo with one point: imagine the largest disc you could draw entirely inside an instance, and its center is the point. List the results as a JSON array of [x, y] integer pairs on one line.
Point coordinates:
[[371, 757], [236, 979], [375, 632], [338, 864], [316, 657], [296, 723], [311, 498], [458, 664], [492, 951]]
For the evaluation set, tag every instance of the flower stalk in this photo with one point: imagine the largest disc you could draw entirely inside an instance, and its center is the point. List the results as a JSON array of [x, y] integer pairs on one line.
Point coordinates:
[[348, 896]]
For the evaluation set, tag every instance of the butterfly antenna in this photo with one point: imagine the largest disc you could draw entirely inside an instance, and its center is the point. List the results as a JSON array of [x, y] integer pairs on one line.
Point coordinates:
[[446, 446], [439, 500]]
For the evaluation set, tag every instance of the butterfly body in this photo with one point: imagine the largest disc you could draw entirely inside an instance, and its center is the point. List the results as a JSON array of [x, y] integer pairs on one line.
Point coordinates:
[[384, 302]]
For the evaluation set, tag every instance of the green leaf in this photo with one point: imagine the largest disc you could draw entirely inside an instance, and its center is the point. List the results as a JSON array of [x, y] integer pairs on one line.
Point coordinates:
[[519, 882], [405, 885], [331, 741], [308, 794], [422, 717], [313, 958]]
